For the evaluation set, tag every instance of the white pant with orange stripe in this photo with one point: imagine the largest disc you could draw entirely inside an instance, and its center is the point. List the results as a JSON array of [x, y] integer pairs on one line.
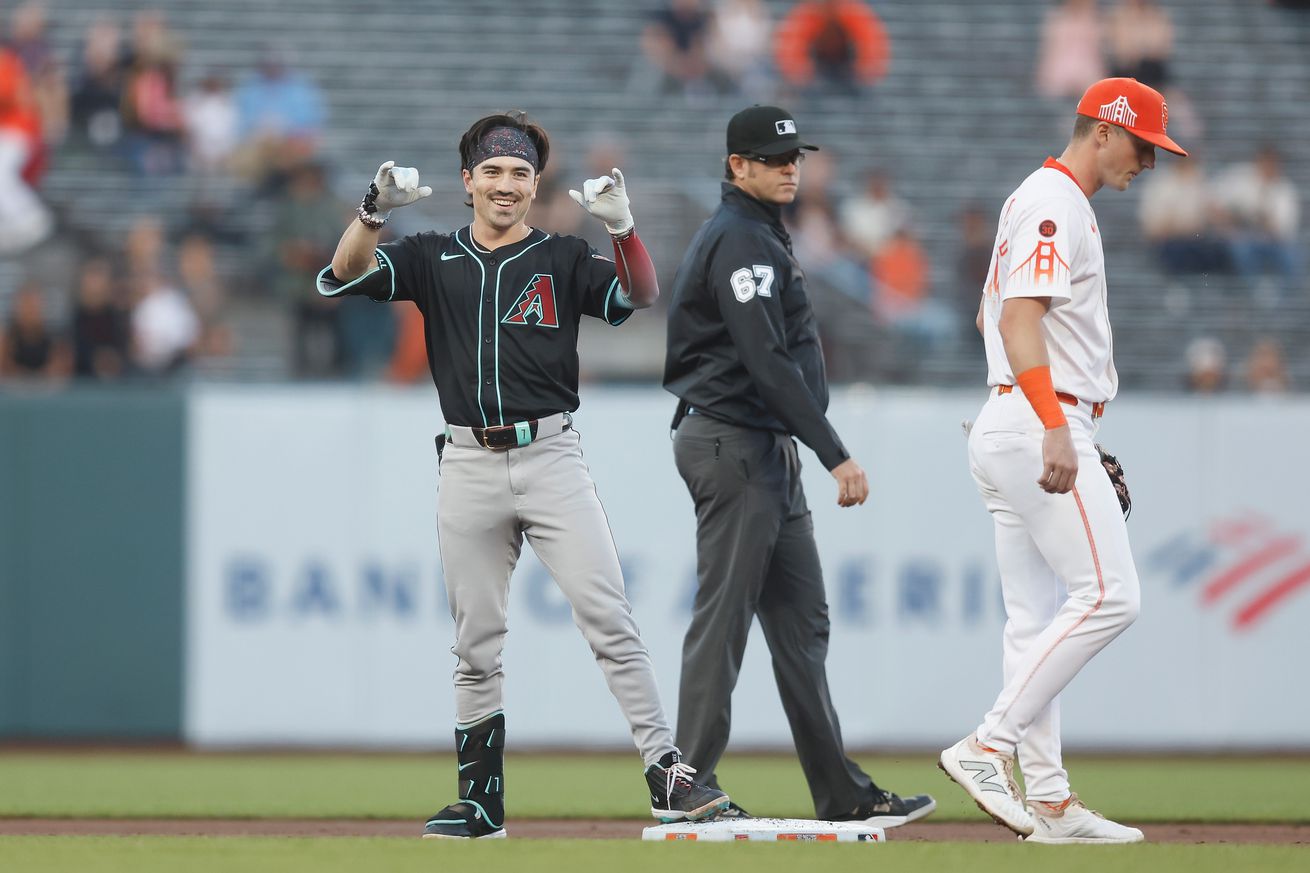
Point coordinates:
[[1048, 545]]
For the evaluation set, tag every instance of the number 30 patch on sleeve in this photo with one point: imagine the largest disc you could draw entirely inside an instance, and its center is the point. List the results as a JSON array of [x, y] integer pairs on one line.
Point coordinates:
[[745, 284]]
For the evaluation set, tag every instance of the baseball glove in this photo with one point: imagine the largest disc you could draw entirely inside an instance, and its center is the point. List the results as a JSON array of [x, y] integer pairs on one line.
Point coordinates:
[[1115, 471]]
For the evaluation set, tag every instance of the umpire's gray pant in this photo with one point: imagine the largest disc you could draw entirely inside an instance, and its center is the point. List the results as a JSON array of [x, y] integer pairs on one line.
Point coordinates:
[[756, 556], [487, 503]]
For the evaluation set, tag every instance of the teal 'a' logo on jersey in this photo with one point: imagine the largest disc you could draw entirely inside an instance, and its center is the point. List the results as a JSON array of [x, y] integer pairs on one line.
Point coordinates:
[[535, 304]]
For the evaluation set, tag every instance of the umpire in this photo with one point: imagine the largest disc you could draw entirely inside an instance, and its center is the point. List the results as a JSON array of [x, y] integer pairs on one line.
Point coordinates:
[[745, 362]]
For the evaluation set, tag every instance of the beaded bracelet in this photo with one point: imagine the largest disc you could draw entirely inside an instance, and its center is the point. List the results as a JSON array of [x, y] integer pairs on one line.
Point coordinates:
[[368, 206]]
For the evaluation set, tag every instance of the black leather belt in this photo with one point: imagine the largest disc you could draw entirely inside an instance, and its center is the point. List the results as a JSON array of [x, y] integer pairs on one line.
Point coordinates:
[[509, 436]]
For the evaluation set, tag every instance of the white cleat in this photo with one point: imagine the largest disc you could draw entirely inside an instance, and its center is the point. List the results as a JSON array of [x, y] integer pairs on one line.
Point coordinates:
[[988, 777], [1072, 822]]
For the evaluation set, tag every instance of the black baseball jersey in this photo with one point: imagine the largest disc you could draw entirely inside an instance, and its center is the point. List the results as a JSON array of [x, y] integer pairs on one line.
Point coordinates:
[[743, 344], [502, 325]]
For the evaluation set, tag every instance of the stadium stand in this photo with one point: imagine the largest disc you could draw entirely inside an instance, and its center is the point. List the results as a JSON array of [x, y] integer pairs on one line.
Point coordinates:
[[957, 120]]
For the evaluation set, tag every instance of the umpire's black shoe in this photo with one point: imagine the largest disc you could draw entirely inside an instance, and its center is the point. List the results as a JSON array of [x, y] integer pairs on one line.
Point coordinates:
[[675, 797], [461, 821], [887, 810], [732, 813]]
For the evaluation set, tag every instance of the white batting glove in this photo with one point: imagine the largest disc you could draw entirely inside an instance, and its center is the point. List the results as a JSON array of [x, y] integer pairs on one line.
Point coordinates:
[[397, 186], [607, 199]]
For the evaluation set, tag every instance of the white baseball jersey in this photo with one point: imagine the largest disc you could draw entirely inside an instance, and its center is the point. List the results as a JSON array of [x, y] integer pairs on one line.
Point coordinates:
[[1048, 245]]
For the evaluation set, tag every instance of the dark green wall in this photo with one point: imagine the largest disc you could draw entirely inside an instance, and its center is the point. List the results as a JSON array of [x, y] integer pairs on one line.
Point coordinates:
[[92, 574]]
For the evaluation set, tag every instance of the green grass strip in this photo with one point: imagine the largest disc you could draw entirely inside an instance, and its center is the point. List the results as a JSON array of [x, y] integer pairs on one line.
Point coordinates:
[[179, 785], [212, 855]]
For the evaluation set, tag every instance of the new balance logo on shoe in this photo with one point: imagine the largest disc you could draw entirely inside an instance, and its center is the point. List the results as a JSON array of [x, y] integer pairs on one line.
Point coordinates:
[[983, 774]]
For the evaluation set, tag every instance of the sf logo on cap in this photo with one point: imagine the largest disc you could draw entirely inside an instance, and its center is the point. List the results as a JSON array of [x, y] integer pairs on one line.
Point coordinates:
[[785, 126]]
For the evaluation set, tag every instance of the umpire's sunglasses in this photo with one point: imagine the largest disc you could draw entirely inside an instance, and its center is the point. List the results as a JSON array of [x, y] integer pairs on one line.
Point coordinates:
[[776, 161]]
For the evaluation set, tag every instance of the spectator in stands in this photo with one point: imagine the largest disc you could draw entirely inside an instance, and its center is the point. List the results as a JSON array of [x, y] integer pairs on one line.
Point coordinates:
[[1070, 56], [873, 216], [98, 93], [152, 38], [409, 358], [49, 88], [200, 284], [304, 235], [901, 281], [1265, 371], [29, 348], [1207, 363], [143, 248], [553, 210], [210, 114], [101, 328], [820, 245], [280, 118], [152, 115], [739, 46], [1141, 42], [24, 219], [151, 109], [675, 43], [832, 45], [1262, 211], [1177, 215], [165, 328], [900, 271], [977, 241], [368, 338]]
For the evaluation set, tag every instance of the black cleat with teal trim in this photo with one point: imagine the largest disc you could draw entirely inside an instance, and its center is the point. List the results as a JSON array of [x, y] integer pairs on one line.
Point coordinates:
[[480, 811], [675, 797]]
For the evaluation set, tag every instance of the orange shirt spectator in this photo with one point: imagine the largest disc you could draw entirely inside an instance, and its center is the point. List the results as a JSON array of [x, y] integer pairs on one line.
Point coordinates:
[[409, 359], [18, 115], [1070, 57], [837, 39], [900, 272]]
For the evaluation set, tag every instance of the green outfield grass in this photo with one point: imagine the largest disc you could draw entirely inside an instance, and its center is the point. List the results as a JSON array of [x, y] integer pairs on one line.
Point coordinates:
[[139, 785], [196, 855]]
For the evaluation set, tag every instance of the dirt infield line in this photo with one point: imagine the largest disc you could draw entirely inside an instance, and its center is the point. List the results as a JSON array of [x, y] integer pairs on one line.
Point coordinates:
[[594, 829]]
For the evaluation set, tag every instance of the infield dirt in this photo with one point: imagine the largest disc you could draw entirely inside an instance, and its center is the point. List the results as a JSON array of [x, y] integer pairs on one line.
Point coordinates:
[[599, 829]]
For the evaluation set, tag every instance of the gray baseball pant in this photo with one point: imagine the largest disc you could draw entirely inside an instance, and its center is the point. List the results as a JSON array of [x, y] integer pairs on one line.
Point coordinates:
[[756, 556], [488, 501]]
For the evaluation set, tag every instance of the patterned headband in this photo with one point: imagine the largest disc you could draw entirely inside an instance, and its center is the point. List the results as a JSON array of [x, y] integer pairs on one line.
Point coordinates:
[[504, 142]]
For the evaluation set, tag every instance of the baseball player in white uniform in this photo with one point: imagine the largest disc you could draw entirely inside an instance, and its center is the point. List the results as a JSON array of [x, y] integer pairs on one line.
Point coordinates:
[[1058, 522]]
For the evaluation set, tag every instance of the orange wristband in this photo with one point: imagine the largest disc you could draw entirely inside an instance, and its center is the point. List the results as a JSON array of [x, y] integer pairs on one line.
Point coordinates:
[[1036, 385]]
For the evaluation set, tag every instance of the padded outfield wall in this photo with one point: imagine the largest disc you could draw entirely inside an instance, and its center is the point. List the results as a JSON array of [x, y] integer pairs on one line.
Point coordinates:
[[316, 612], [91, 564], [245, 565]]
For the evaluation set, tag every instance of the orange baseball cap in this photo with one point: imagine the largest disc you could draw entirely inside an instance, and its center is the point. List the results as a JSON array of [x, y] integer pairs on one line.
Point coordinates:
[[1137, 108]]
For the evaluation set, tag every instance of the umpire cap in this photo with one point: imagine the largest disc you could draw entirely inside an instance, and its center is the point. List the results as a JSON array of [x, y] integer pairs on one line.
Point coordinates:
[[766, 131]]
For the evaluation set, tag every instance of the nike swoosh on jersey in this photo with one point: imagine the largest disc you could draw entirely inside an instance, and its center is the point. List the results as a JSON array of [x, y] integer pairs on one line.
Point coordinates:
[[446, 257]]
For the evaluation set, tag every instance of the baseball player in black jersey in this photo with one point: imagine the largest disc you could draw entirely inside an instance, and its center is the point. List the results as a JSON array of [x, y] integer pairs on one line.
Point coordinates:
[[501, 302], [745, 362]]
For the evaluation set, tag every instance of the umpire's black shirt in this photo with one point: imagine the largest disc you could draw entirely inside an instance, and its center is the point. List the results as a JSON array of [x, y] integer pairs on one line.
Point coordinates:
[[743, 346]]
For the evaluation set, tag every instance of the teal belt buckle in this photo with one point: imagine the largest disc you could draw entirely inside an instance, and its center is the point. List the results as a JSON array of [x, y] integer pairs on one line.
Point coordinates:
[[523, 431]]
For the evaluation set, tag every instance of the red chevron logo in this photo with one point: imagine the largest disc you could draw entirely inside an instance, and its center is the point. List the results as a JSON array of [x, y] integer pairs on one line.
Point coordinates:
[[1245, 565], [535, 304]]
